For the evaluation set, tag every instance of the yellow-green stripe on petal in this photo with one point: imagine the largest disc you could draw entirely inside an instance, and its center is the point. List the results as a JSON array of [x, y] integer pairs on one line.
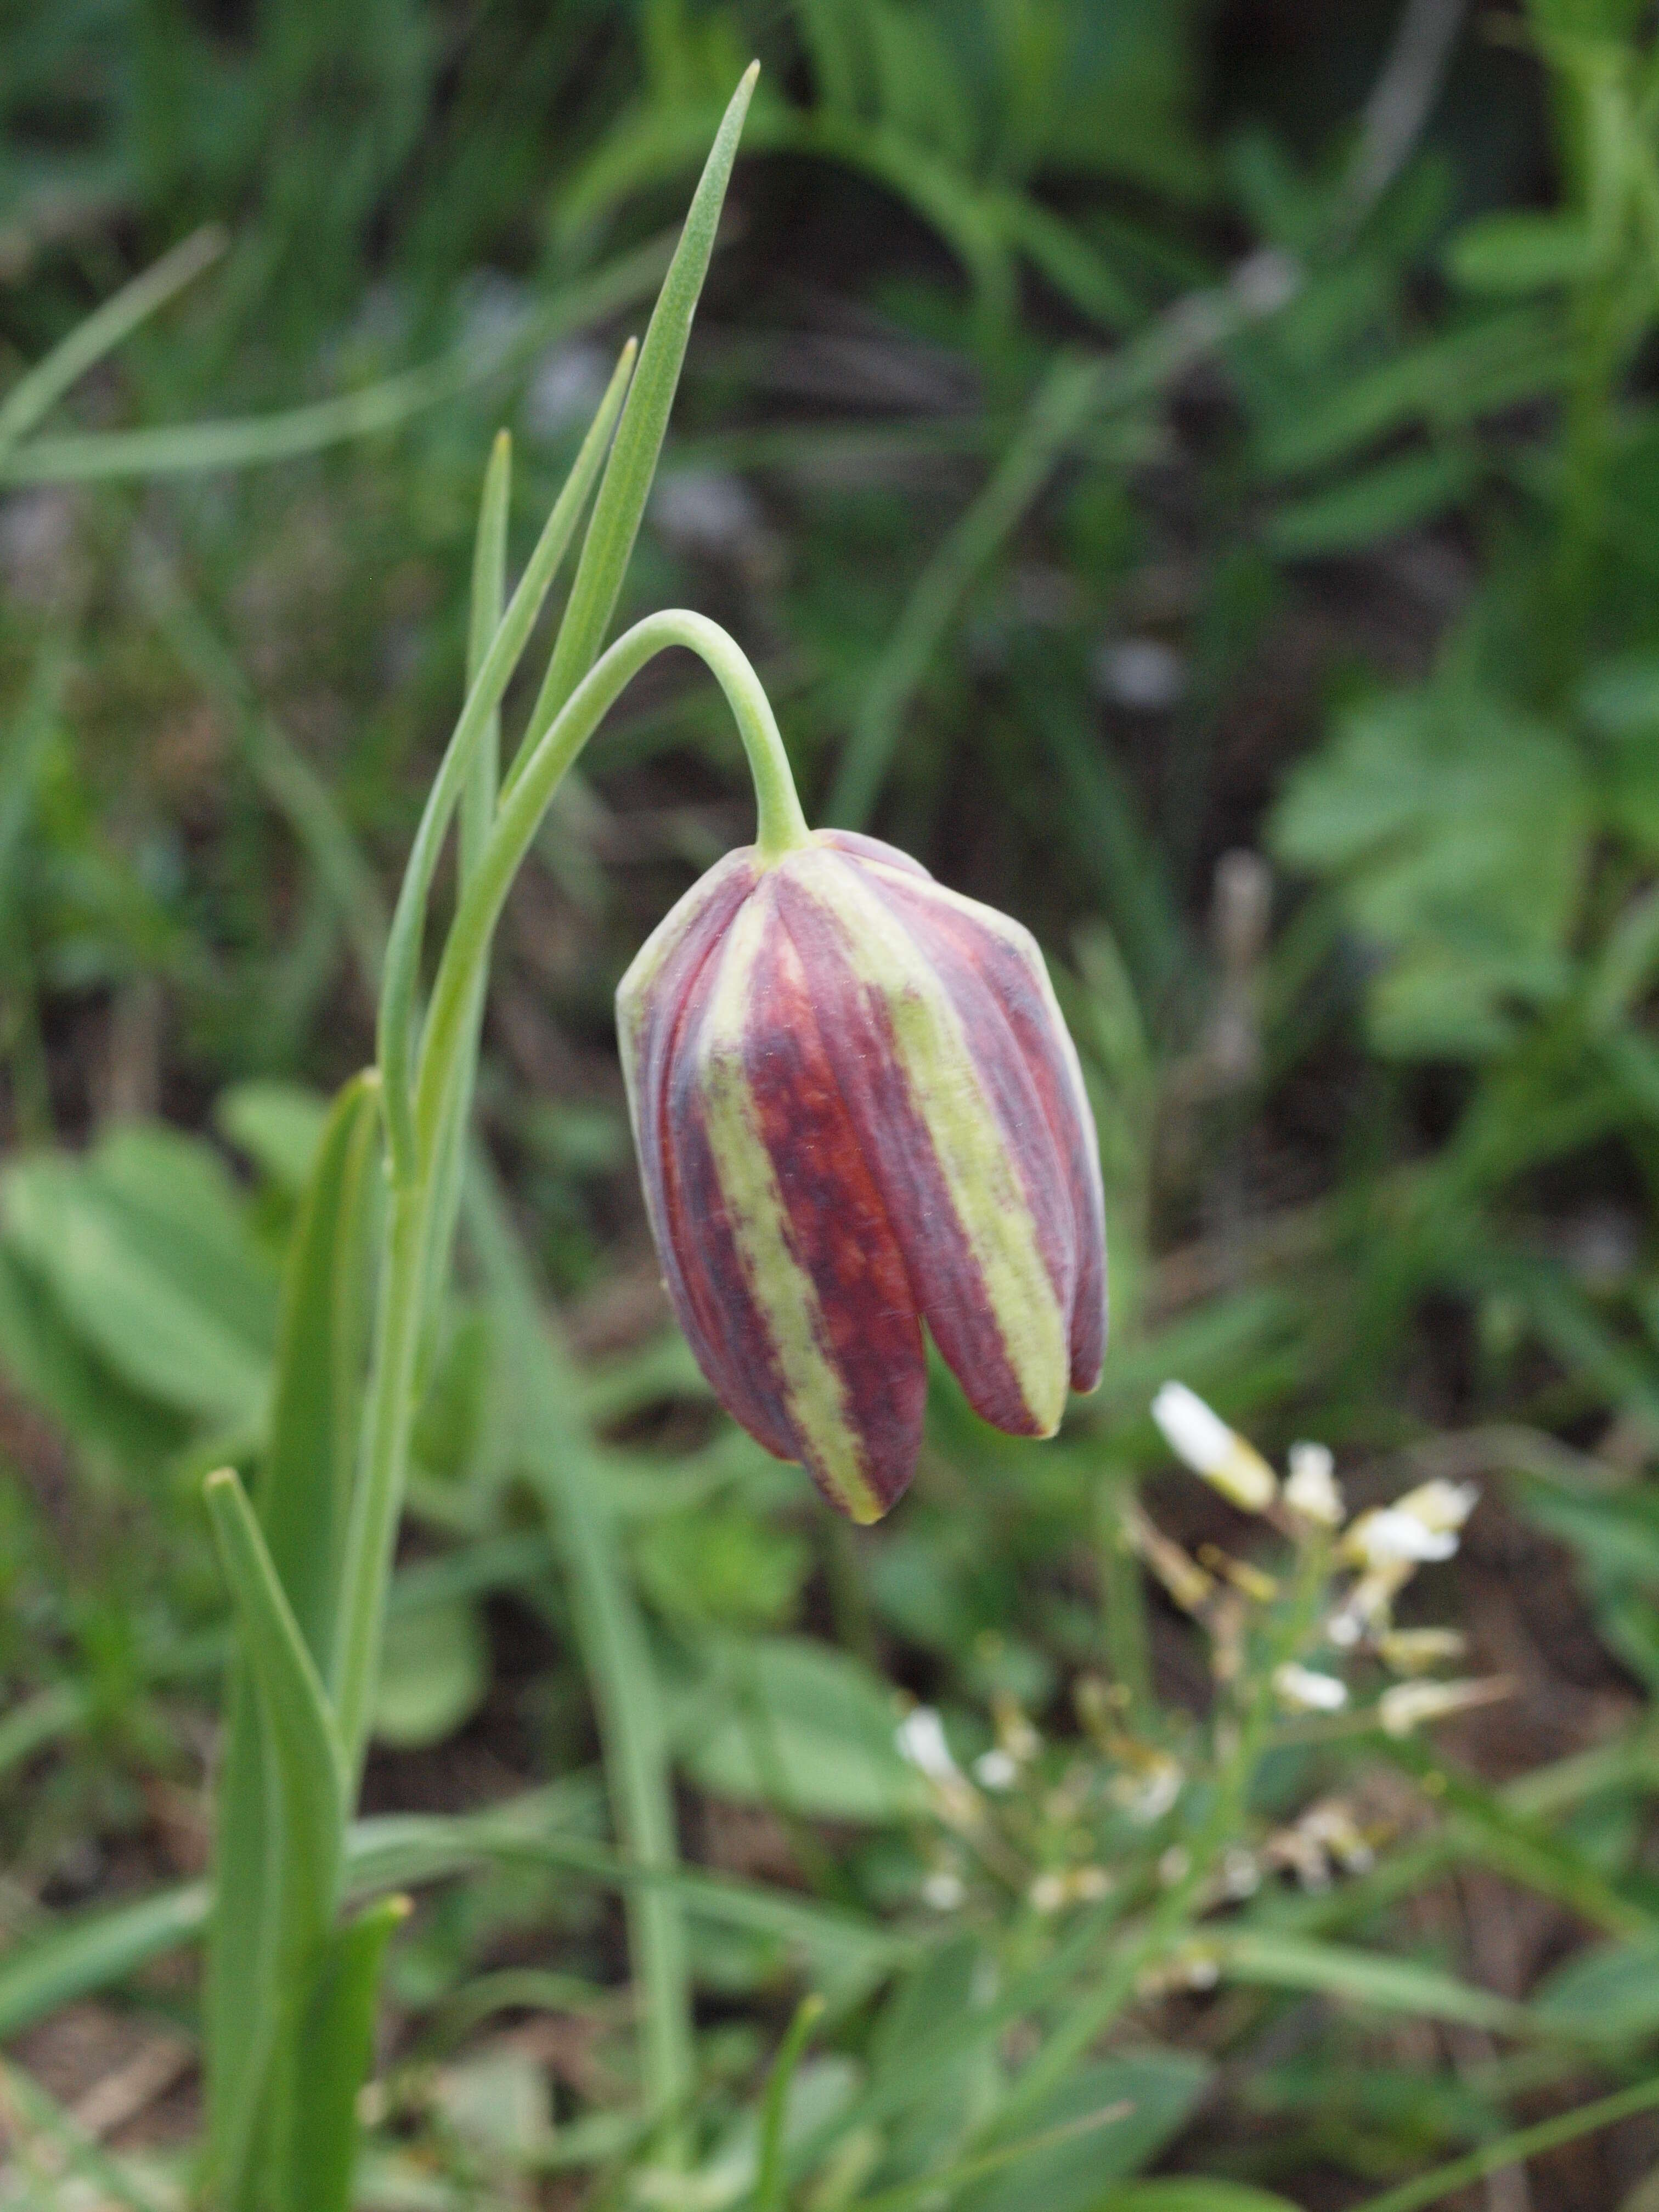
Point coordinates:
[[971, 1240], [782, 1293]]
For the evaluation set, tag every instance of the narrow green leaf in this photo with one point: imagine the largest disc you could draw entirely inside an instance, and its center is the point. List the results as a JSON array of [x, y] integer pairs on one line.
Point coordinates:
[[478, 812], [305, 1747], [1363, 1978], [1514, 2149], [104, 330], [478, 717], [303, 1496], [621, 503], [334, 2053], [253, 441], [1375, 502], [81, 1953], [304, 1820], [304, 1490]]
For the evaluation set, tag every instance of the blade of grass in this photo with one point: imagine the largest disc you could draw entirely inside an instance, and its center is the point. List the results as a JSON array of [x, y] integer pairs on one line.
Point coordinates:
[[1515, 2149], [187, 447], [35, 2111], [72, 1958], [42, 386], [1073, 391], [1068, 395], [769, 2173], [294, 787]]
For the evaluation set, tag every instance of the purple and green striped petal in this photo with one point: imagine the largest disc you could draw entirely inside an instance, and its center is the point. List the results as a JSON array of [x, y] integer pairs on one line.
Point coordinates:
[[857, 1108]]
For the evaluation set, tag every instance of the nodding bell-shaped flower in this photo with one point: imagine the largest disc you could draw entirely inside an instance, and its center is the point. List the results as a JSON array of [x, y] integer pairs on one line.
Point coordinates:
[[858, 1110]]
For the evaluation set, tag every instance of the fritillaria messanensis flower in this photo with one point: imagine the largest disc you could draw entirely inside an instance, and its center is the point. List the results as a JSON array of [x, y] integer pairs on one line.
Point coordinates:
[[857, 1111]]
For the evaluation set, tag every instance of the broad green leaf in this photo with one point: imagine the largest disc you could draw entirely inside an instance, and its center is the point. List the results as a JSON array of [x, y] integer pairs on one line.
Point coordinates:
[[1158, 2089], [1610, 1989], [1377, 503], [1519, 252], [279, 1126], [435, 1671], [1457, 830], [145, 1247], [334, 2052], [798, 1724], [51, 1363]]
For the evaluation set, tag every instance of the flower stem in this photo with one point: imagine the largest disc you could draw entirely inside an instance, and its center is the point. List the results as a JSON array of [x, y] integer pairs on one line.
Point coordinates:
[[450, 1032]]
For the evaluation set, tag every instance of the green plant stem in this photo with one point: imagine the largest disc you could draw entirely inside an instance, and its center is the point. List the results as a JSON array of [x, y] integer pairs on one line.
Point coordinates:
[[781, 827], [1512, 2149]]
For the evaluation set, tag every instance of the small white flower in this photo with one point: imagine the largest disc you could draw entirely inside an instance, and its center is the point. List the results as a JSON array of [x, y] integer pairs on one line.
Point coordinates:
[[1145, 1792], [1047, 1893], [1312, 1490], [1406, 1705], [944, 1891], [1305, 1690], [1440, 1505], [920, 1739], [995, 1770], [1421, 1526], [1197, 1434]]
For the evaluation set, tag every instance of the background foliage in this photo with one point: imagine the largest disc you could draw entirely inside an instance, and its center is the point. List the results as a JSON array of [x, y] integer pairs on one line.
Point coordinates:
[[1188, 472]]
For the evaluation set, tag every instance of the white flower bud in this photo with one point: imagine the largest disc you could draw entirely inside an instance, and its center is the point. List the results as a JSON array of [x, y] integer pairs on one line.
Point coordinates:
[[1198, 1436], [1312, 1490], [1421, 1526], [920, 1739], [1406, 1705], [1305, 1690]]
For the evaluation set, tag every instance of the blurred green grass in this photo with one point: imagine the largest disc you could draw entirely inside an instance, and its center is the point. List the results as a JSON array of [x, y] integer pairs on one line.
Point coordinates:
[[1129, 438]]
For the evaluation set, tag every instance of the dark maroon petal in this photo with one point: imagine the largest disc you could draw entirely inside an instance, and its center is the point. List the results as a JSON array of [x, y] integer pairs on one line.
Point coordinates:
[[836, 1224], [699, 1265], [946, 1280]]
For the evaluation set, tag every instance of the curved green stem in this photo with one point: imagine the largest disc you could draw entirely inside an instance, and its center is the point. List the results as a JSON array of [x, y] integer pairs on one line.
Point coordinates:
[[781, 828]]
